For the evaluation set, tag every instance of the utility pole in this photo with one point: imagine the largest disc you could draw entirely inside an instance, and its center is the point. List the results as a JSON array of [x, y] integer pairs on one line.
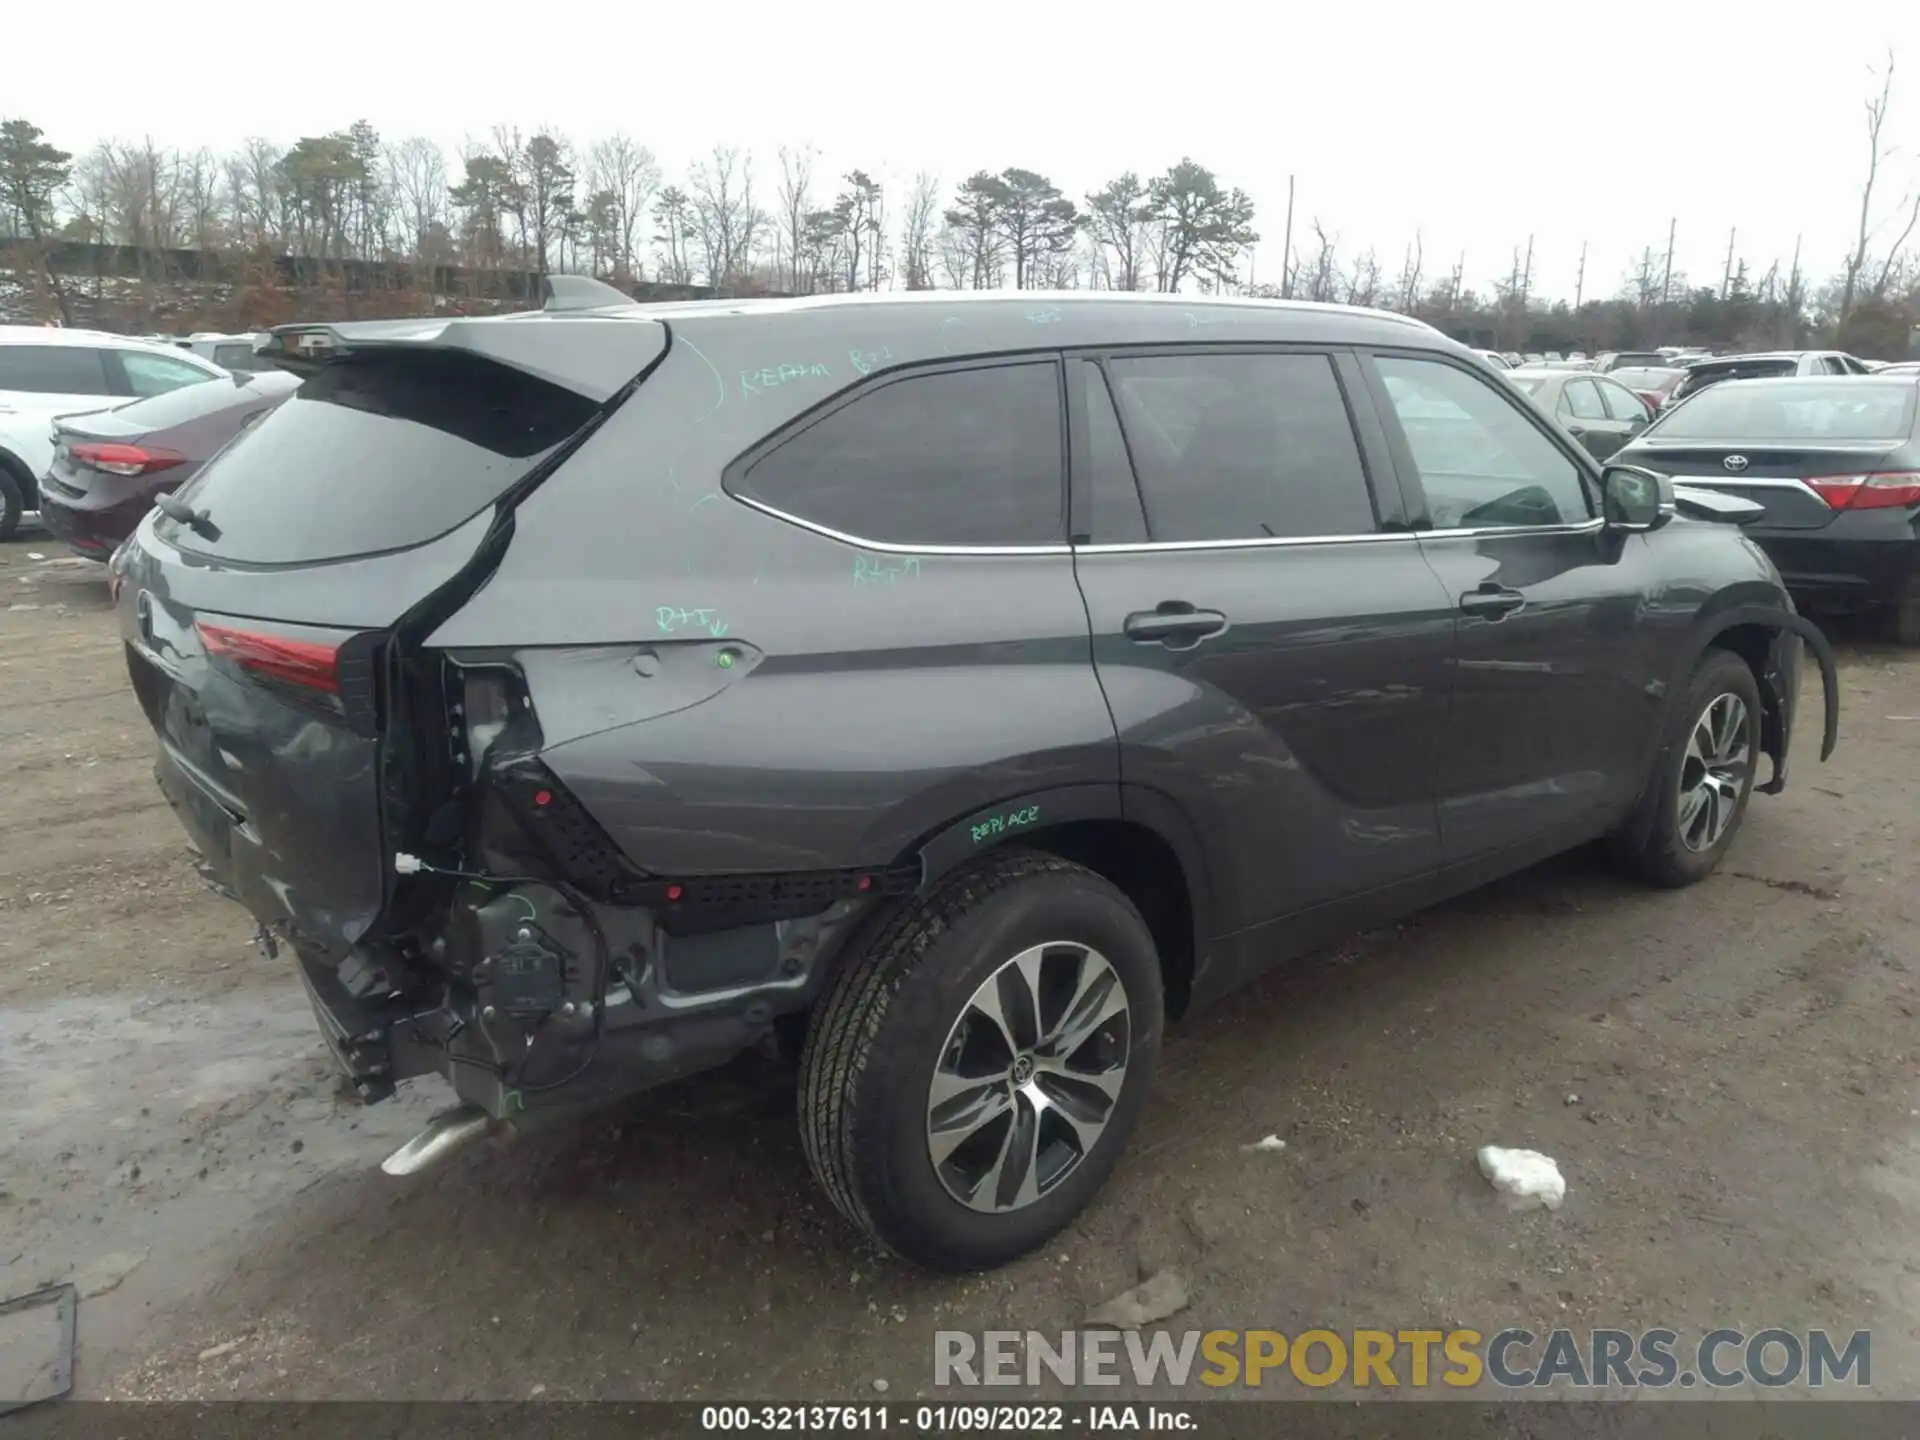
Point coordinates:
[[1580, 277], [1526, 276], [1666, 279], [1286, 249], [1453, 291], [1726, 276]]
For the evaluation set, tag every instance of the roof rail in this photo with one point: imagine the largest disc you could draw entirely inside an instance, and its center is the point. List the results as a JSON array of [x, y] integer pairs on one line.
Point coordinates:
[[580, 292]]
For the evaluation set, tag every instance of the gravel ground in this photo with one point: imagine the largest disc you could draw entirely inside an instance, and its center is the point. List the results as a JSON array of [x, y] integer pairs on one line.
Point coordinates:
[[1727, 1077]]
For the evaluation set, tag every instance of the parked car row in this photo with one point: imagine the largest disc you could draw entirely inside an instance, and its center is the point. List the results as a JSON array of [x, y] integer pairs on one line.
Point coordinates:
[[93, 478]]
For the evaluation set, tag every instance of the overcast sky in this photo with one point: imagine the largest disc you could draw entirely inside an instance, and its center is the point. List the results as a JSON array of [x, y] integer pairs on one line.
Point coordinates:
[[1476, 123]]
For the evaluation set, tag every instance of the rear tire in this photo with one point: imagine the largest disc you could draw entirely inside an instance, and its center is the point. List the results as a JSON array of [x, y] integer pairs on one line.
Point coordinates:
[[1702, 779], [904, 1057], [13, 501]]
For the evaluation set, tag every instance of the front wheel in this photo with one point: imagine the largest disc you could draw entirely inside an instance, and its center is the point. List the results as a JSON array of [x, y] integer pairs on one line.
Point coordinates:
[[1698, 794], [971, 1078]]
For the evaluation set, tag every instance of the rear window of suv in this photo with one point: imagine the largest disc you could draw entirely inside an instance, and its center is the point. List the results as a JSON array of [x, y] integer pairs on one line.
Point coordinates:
[[377, 453]]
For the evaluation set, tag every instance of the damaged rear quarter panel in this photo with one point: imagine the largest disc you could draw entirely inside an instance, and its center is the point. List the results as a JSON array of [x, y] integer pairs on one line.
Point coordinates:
[[765, 697]]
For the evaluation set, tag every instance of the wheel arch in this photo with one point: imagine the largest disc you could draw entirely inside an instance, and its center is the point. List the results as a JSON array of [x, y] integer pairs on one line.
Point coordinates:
[[18, 471], [1752, 629], [1135, 838]]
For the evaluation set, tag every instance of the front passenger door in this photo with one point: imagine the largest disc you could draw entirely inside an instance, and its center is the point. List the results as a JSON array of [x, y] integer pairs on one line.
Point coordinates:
[[1546, 718]]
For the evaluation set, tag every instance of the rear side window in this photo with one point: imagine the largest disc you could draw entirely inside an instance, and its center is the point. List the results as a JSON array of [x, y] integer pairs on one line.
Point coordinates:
[[377, 453], [958, 457], [53, 370], [157, 374], [1242, 447], [234, 357], [1482, 464]]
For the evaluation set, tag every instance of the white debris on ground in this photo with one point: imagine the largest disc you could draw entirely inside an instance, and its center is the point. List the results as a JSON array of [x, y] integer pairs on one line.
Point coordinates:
[[1271, 1142], [1526, 1177], [1153, 1299]]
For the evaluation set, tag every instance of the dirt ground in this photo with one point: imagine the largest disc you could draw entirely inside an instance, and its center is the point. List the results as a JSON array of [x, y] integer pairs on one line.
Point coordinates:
[[1728, 1077]]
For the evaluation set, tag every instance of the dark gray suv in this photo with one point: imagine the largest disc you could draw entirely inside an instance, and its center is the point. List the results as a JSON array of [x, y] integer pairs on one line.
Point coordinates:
[[951, 689]]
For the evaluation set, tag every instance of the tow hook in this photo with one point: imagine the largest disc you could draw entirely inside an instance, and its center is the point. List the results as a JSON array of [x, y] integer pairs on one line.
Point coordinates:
[[446, 1132]]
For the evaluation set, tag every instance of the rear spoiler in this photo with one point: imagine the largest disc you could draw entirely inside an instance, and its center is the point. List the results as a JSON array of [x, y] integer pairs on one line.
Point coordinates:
[[595, 354]]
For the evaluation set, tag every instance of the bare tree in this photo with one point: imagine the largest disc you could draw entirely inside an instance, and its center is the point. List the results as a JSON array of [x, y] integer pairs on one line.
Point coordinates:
[[727, 223], [673, 214], [1876, 156], [794, 195], [1319, 277], [417, 176], [253, 193], [917, 235], [1363, 282], [628, 173], [1409, 288]]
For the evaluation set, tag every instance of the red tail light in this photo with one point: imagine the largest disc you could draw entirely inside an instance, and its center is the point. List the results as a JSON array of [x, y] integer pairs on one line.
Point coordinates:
[[298, 662], [1881, 490], [124, 459]]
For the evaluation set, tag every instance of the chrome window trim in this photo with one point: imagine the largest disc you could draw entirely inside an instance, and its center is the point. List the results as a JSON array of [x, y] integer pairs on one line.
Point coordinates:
[[895, 547], [1136, 547]]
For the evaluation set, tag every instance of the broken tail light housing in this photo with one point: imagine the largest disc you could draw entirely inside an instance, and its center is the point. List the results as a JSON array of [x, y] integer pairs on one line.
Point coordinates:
[[307, 664], [1875, 490]]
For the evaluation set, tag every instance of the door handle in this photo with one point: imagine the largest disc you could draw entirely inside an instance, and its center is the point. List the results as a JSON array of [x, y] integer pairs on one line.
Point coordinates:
[[1576, 429], [1175, 624], [1493, 601]]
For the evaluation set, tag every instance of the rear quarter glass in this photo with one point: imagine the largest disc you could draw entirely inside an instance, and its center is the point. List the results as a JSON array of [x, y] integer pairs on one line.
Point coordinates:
[[377, 454]]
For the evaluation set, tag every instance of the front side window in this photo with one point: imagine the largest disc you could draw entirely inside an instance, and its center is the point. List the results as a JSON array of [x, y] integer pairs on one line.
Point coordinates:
[[958, 457], [1581, 402], [53, 370], [157, 374], [1242, 447], [1482, 463]]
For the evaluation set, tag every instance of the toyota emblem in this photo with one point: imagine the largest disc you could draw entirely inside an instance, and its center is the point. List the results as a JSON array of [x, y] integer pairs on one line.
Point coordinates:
[[1735, 463]]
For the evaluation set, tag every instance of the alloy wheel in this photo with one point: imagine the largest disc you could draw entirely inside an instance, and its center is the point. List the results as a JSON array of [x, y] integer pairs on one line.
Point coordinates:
[[1713, 773], [1029, 1076]]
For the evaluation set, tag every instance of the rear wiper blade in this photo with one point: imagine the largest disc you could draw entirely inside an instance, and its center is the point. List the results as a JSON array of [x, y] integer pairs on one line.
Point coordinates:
[[174, 508]]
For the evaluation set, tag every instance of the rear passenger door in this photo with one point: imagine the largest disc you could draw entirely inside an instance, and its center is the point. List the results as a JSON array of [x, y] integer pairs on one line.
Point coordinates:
[[1272, 646], [1547, 718]]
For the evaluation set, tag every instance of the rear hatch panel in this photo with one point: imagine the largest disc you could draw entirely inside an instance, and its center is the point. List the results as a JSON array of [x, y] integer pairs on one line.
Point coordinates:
[[274, 643]]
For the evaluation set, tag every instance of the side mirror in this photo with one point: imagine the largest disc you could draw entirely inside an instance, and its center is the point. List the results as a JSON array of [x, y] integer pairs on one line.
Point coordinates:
[[1633, 500]]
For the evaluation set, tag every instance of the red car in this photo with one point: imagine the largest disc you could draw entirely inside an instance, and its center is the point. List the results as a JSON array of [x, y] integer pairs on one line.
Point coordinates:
[[110, 466], [1653, 384]]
